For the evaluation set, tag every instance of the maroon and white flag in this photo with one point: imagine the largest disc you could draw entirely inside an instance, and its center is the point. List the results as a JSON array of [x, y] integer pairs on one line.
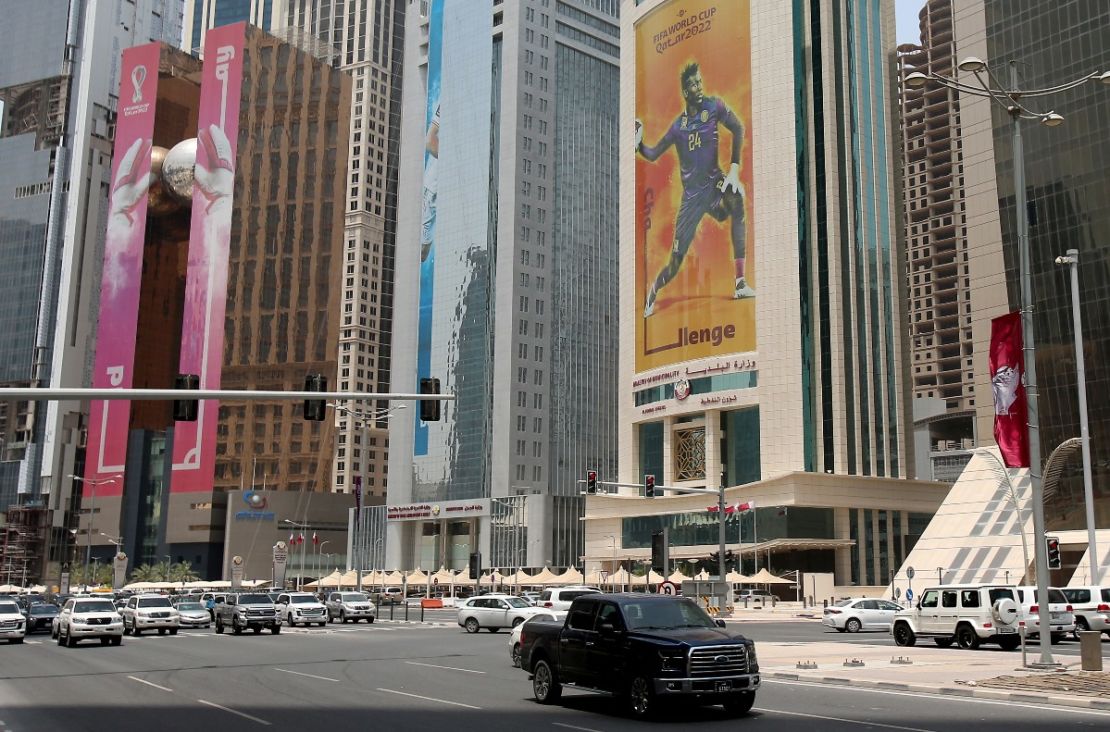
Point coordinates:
[[1007, 368]]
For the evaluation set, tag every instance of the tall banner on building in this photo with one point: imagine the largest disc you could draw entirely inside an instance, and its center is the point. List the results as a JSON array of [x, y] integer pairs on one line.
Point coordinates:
[[428, 213], [1007, 365], [106, 452], [695, 279], [202, 332]]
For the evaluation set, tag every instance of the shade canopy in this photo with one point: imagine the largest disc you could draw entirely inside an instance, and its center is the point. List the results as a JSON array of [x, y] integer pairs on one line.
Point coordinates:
[[763, 577], [677, 577], [545, 577], [571, 577], [417, 577]]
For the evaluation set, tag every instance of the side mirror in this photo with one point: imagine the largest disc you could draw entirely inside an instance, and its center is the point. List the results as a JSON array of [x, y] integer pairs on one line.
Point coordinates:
[[606, 629], [720, 623]]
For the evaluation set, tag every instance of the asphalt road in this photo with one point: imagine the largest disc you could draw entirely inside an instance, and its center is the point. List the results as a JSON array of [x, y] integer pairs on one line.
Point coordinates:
[[407, 678]]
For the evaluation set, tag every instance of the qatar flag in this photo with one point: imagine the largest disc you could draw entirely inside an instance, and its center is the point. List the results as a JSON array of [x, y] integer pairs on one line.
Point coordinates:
[[1007, 369]]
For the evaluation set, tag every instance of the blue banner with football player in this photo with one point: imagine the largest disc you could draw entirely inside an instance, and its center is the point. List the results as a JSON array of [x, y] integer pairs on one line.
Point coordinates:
[[428, 213]]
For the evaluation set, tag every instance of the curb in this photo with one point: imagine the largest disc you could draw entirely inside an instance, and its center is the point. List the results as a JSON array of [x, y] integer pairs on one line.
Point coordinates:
[[974, 692], [427, 623]]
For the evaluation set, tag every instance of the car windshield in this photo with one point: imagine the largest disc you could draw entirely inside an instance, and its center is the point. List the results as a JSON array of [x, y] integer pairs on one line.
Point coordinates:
[[517, 602], [302, 599], [657, 615], [8, 607], [44, 610], [842, 603], [154, 602], [94, 606], [1055, 596], [254, 599], [353, 597], [189, 606]]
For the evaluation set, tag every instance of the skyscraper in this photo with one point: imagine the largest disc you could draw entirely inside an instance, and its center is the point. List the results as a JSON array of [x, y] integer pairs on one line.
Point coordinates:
[[200, 16], [506, 279]]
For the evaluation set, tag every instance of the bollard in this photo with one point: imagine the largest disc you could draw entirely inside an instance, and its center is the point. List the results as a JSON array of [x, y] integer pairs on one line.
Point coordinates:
[[406, 609], [1090, 650], [825, 604], [391, 606], [774, 601], [421, 612], [1021, 630]]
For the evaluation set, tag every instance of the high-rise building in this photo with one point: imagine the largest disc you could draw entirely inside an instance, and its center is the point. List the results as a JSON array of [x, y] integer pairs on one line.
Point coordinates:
[[1068, 193], [935, 221], [506, 278], [59, 77], [200, 16]]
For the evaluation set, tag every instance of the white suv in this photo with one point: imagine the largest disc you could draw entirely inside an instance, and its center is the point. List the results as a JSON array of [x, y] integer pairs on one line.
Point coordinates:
[[1091, 605], [13, 626], [1061, 620], [150, 612], [494, 612], [300, 607], [86, 617], [963, 614], [560, 598]]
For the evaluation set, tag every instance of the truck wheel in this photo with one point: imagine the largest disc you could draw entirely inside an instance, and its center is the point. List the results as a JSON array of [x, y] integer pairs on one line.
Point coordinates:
[[219, 627], [161, 631], [257, 630], [117, 640], [516, 655], [235, 627], [343, 617], [136, 631], [641, 697], [104, 640], [472, 625], [739, 704], [545, 684], [173, 631], [289, 619], [275, 630], [903, 636], [966, 638], [370, 619]]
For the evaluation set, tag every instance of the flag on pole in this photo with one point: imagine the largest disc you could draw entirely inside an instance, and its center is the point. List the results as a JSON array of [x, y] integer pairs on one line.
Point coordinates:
[[1007, 369], [733, 507], [315, 540], [292, 539], [300, 539]]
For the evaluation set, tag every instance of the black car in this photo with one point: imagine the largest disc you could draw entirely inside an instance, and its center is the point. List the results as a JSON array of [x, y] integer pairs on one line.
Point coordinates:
[[41, 616]]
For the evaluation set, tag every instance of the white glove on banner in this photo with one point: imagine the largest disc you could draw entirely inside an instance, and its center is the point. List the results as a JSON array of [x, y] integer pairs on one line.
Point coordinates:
[[732, 180], [639, 134]]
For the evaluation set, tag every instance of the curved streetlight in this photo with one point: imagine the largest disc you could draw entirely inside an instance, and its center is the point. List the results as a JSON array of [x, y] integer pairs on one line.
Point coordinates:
[[1012, 99]]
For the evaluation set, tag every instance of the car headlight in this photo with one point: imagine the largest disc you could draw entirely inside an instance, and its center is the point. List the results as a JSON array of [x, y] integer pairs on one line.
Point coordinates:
[[117, 618], [671, 662], [77, 621], [752, 660]]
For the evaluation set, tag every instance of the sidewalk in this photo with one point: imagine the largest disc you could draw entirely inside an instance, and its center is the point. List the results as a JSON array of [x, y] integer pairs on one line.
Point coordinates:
[[783, 612], [987, 673]]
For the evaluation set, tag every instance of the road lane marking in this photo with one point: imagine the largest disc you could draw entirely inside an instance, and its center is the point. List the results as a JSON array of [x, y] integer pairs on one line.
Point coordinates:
[[149, 683], [571, 726], [950, 697], [430, 698], [449, 668], [232, 711], [861, 722], [311, 676]]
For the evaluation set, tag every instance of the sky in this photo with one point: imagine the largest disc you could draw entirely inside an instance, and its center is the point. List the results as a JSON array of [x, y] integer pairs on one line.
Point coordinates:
[[906, 13]]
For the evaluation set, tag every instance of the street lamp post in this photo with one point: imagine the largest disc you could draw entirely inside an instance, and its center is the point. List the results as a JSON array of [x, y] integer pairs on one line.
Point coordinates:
[[93, 482], [1011, 99], [1072, 259]]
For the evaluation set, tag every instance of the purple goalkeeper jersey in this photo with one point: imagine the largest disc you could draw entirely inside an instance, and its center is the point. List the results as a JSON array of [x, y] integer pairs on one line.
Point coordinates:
[[696, 137]]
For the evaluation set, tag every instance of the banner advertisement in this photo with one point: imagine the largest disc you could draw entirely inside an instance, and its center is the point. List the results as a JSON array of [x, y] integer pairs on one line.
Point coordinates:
[[106, 451], [237, 572], [1007, 368], [428, 213], [695, 275], [63, 583], [119, 570], [202, 332], [281, 557]]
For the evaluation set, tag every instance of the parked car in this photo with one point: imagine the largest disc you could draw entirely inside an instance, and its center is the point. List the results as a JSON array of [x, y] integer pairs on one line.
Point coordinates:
[[13, 626], [388, 596], [41, 616], [560, 598], [643, 649], [350, 607], [860, 613], [300, 607], [253, 610], [1061, 621], [532, 597], [216, 598], [494, 612], [193, 613], [1091, 605], [754, 595], [84, 617], [963, 614], [150, 612], [557, 616]]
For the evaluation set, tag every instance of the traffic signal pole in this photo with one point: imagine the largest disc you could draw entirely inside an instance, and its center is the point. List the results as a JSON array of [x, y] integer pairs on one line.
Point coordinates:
[[225, 395]]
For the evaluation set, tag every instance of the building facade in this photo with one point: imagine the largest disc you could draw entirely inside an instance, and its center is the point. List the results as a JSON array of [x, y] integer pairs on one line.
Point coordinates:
[[506, 286], [200, 16], [763, 332]]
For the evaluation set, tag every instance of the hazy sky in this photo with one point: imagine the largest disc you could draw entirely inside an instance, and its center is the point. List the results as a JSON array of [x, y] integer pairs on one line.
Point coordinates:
[[906, 11]]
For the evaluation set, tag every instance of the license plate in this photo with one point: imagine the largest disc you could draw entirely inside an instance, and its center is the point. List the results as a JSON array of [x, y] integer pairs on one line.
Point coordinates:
[[1006, 630], [724, 686]]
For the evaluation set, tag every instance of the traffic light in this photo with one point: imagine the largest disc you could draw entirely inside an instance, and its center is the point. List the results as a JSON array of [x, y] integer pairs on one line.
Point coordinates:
[[1052, 543], [649, 486], [185, 410], [475, 565], [659, 551], [429, 408], [315, 409], [591, 482]]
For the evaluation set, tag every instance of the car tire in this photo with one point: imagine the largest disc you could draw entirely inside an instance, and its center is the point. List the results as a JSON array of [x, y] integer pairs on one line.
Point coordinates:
[[1009, 642], [289, 619], [904, 636], [545, 683], [370, 619], [274, 630], [173, 631], [517, 621], [1080, 627], [737, 705], [105, 640], [516, 655], [53, 633], [853, 625], [640, 697], [136, 632], [1057, 637], [219, 627], [966, 638], [236, 629], [60, 639], [342, 617], [945, 642], [161, 631], [15, 641], [472, 625], [70, 642]]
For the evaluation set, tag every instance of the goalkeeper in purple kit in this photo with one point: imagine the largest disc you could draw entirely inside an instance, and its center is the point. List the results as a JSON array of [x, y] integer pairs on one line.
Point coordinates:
[[705, 188]]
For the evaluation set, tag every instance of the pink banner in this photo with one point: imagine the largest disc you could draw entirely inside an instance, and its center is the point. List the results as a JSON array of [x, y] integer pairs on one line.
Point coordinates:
[[1007, 365], [106, 451], [202, 331]]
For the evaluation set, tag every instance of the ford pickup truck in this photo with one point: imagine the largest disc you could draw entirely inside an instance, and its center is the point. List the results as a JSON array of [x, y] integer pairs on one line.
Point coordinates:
[[644, 649], [252, 610]]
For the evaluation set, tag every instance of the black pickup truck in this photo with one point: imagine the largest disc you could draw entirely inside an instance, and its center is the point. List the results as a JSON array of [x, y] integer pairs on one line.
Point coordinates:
[[643, 649]]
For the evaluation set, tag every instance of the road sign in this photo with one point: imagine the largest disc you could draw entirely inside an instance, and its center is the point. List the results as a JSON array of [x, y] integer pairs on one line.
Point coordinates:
[[667, 587], [909, 595], [909, 572], [897, 592]]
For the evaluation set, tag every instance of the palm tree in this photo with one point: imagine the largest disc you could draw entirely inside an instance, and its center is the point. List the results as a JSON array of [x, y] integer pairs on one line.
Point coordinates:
[[146, 573], [163, 569], [98, 574], [181, 572]]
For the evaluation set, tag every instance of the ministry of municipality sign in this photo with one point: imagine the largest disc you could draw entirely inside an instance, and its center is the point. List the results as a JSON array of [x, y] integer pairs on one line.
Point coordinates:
[[435, 510]]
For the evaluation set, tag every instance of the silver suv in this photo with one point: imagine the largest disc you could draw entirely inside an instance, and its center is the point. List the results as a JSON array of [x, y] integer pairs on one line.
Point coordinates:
[[150, 612], [350, 607], [966, 615], [1091, 605]]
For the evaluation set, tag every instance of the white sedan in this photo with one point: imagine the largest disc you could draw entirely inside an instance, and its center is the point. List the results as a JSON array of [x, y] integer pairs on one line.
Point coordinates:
[[860, 613], [494, 612], [557, 616]]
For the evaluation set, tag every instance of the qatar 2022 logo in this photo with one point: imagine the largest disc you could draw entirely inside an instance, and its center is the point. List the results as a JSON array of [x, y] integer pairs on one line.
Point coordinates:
[[257, 504]]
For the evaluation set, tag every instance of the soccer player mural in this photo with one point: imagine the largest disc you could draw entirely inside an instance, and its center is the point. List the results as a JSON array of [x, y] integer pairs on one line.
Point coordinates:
[[695, 279]]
